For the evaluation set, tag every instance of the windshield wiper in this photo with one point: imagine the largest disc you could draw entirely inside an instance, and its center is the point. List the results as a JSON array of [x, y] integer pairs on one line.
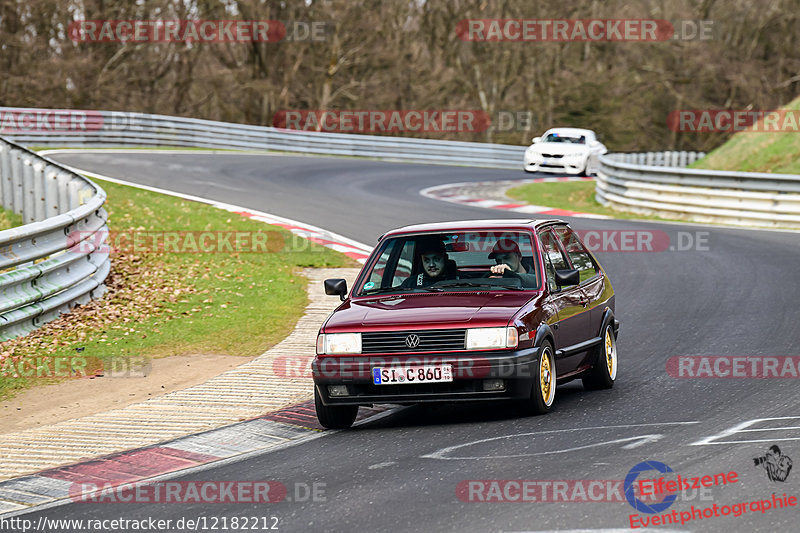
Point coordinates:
[[473, 284], [461, 284], [383, 290]]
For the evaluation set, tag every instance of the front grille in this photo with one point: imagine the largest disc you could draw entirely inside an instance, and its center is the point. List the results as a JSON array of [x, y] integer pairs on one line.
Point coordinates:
[[430, 340], [553, 156]]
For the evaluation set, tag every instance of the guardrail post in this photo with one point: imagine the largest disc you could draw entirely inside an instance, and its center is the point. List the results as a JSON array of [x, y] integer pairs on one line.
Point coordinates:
[[63, 192], [16, 181], [6, 187], [28, 180], [74, 194], [51, 198], [38, 191]]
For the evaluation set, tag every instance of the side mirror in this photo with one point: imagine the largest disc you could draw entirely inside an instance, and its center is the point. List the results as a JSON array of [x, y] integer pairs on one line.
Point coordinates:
[[536, 140], [567, 277], [338, 286], [594, 144]]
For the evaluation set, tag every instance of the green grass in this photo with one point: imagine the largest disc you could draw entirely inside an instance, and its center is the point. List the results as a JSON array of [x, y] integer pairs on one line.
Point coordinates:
[[211, 303], [9, 219], [749, 151], [569, 195]]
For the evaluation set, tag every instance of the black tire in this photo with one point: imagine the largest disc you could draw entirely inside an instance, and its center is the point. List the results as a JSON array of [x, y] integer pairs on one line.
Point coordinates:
[[334, 416], [543, 389], [604, 367]]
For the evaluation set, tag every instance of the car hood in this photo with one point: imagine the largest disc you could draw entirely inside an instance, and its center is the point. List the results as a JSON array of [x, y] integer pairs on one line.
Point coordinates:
[[558, 148], [472, 309]]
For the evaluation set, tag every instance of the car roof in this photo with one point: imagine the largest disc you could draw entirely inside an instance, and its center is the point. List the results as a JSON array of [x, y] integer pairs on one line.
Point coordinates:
[[576, 132], [462, 225]]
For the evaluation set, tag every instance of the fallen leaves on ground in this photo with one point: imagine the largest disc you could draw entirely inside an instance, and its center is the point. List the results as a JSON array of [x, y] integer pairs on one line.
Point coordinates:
[[138, 287]]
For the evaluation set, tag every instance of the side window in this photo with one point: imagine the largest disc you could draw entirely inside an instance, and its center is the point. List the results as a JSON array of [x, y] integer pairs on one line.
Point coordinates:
[[404, 264], [553, 258], [380, 267], [393, 266], [580, 258]]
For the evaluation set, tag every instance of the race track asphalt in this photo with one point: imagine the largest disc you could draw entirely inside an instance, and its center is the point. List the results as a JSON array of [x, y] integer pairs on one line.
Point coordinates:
[[736, 294]]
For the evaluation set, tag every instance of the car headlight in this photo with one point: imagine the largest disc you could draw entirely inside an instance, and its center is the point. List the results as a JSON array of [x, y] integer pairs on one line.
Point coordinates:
[[574, 156], [339, 343], [479, 338]]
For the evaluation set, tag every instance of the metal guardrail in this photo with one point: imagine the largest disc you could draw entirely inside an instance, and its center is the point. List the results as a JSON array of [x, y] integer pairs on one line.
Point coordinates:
[[112, 128], [653, 182], [658, 183], [54, 261]]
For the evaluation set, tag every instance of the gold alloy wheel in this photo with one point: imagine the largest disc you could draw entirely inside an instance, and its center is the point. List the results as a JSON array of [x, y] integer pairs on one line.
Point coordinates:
[[546, 378], [611, 354]]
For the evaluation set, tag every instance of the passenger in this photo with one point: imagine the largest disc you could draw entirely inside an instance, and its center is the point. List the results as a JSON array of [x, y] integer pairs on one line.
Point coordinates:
[[433, 264], [509, 262]]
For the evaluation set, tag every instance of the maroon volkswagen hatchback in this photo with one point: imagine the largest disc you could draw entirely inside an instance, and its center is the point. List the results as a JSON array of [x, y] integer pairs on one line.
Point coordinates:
[[472, 310]]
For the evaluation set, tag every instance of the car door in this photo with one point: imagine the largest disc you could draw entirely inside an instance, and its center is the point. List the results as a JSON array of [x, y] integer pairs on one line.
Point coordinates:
[[593, 282], [569, 303]]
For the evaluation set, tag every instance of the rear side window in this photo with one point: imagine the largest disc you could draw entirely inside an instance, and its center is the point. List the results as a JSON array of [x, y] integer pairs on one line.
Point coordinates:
[[580, 258]]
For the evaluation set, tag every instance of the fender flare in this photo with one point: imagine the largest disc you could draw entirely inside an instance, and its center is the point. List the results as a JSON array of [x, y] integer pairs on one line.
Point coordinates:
[[609, 318], [544, 332]]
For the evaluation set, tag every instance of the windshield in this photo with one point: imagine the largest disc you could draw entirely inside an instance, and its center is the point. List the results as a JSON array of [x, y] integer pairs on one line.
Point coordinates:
[[453, 262], [558, 138]]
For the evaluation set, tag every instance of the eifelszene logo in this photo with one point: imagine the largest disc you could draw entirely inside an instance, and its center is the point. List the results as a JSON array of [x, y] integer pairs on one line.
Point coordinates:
[[630, 484]]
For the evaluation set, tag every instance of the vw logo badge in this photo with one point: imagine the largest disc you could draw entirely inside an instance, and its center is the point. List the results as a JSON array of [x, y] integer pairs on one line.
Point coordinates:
[[412, 341]]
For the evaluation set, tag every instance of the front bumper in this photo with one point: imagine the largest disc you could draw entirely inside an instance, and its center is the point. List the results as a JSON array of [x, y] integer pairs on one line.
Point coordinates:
[[556, 168], [517, 369]]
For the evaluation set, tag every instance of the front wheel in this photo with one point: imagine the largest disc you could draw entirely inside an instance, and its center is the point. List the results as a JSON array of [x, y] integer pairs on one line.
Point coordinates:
[[543, 390], [587, 171], [334, 416], [604, 370]]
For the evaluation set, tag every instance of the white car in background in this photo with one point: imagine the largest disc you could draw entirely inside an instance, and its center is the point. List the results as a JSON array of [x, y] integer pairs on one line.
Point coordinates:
[[565, 151]]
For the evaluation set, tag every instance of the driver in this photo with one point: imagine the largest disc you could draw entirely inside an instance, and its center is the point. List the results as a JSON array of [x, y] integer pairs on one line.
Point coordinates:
[[509, 262], [434, 263]]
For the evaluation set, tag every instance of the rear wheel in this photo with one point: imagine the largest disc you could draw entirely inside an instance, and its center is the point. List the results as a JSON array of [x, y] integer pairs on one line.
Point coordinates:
[[604, 371], [334, 416], [543, 390]]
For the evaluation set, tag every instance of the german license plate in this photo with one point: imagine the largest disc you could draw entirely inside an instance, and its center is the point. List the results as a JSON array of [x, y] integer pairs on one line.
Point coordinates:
[[408, 375]]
